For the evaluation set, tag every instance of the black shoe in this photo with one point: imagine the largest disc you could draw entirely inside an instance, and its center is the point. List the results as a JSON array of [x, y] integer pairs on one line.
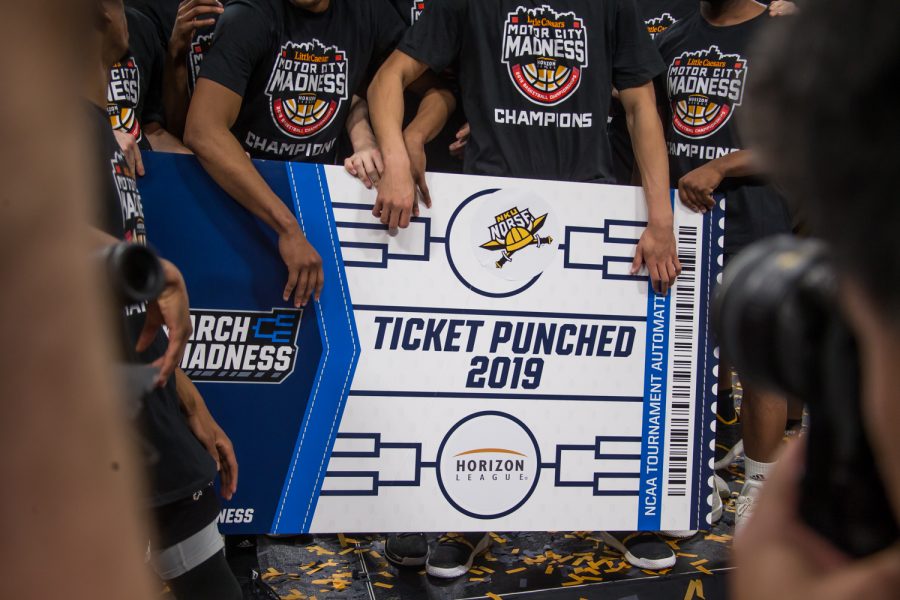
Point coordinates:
[[454, 553], [643, 550], [254, 588], [729, 433], [406, 549]]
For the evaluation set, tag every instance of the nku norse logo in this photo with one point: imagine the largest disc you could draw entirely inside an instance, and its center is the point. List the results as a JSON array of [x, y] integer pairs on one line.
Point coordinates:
[[705, 87], [307, 87], [513, 231], [546, 53]]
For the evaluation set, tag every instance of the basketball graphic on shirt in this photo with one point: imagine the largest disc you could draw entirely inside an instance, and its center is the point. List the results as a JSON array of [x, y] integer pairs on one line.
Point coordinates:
[[122, 97], [307, 87], [545, 52], [705, 87]]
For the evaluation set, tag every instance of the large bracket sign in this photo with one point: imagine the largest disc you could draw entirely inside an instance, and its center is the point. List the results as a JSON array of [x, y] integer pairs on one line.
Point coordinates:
[[494, 366]]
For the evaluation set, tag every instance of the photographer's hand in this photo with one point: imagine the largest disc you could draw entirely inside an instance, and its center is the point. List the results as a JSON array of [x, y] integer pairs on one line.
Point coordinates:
[[169, 309], [205, 428], [779, 556]]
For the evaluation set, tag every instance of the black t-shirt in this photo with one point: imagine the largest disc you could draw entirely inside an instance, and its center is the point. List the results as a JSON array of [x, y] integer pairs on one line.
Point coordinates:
[[409, 10], [658, 16], [708, 68], [298, 71], [183, 466], [162, 14], [134, 93], [536, 78]]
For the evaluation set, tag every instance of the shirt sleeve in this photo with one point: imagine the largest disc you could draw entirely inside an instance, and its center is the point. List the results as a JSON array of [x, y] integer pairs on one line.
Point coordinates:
[[436, 38], [635, 59], [243, 36], [388, 29], [153, 104]]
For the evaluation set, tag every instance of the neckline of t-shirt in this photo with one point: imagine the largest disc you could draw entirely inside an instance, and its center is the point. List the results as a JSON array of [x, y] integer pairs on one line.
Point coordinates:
[[763, 15], [308, 14]]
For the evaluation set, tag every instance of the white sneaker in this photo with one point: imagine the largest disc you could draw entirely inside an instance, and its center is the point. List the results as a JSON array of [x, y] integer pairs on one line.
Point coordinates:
[[743, 506]]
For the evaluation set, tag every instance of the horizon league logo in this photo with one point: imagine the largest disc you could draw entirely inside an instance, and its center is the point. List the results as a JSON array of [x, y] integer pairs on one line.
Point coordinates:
[[129, 200], [200, 45], [307, 87], [545, 52], [242, 346], [488, 465], [122, 96], [659, 24], [705, 87]]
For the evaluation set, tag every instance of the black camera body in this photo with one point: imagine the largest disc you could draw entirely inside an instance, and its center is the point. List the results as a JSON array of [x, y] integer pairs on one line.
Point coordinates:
[[779, 322]]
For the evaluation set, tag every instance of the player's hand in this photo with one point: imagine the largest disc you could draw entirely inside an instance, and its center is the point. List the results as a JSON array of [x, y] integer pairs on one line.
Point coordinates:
[[131, 150], [171, 309], [396, 198], [783, 8], [304, 265], [458, 147], [415, 148], [656, 249], [797, 562], [192, 15], [366, 165], [696, 188]]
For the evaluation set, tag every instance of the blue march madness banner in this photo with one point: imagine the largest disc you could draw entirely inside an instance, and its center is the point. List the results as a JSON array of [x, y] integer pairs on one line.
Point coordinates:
[[495, 365]]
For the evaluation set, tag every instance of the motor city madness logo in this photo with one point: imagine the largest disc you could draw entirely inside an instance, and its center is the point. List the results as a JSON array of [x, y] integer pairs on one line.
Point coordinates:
[[545, 52], [705, 87], [308, 85]]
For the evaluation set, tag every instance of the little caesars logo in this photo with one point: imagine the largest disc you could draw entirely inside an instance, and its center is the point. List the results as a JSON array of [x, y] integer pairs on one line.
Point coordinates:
[[488, 465], [513, 231], [659, 24], [242, 347], [307, 87], [546, 52], [705, 87], [122, 96]]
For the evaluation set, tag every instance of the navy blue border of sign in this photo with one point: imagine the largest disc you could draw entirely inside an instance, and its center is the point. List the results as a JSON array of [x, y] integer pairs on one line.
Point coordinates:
[[537, 476]]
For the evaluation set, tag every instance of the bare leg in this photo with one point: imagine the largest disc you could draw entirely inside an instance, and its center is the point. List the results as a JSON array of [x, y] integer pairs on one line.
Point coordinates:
[[763, 415]]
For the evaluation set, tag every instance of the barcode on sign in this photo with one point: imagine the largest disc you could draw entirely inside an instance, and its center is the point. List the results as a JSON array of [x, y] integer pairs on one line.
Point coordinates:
[[683, 359]]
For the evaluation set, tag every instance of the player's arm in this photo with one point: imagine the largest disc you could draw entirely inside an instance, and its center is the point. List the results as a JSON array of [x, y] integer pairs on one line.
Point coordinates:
[[696, 188], [397, 192], [657, 247], [365, 164], [191, 15], [435, 109], [214, 109], [207, 430], [163, 141]]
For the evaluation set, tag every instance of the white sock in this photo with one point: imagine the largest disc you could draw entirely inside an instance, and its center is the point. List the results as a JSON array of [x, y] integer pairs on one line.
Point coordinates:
[[756, 470]]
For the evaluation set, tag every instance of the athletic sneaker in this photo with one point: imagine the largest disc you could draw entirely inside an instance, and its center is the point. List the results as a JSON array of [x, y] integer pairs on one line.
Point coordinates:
[[644, 550], [743, 506], [722, 491], [406, 549], [254, 588], [454, 553], [729, 433]]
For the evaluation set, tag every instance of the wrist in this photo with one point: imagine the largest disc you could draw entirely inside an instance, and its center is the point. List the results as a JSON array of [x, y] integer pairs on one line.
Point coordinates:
[[287, 225], [411, 137], [176, 51]]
